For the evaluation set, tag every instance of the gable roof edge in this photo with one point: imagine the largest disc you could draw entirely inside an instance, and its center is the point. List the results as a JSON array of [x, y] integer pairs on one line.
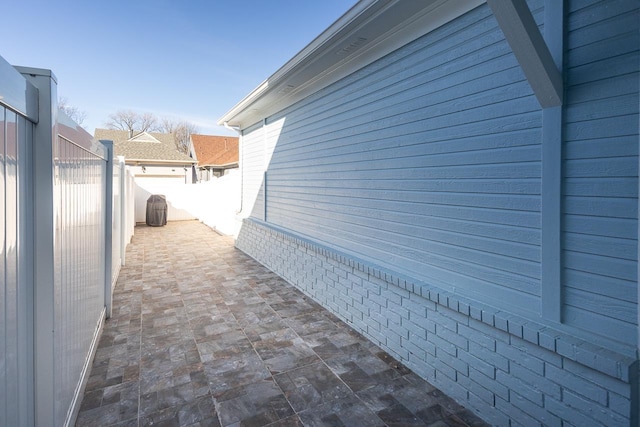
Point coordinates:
[[144, 134], [368, 31]]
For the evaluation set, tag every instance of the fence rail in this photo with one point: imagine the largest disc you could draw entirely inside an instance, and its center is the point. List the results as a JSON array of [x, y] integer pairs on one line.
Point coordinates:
[[67, 208]]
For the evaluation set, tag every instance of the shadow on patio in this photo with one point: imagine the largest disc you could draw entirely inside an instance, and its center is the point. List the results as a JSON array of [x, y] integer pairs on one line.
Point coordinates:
[[201, 334]]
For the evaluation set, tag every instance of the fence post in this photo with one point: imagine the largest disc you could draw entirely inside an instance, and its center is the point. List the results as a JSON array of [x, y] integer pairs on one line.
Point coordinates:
[[108, 229], [123, 209], [41, 209]]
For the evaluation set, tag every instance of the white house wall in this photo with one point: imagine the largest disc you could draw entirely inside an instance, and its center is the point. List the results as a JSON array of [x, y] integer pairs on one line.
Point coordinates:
[[407, 198]]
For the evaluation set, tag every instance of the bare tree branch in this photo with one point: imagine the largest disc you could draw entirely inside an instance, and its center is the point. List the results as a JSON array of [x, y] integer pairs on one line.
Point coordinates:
[[73, 112], [167, 125], [133, 122], [181, 131], [123, 120], [147, 122]]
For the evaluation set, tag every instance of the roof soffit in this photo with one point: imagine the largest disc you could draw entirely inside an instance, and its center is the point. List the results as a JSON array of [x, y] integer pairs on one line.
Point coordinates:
[[367, 32]]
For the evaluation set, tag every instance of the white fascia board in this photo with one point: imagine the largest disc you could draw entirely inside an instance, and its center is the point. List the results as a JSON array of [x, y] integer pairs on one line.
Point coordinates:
[[219, 166], [158, 162], [296, 61], [366, 33]]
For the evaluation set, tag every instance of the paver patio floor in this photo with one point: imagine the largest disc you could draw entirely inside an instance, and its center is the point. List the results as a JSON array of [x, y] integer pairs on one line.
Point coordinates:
[[203, 335]]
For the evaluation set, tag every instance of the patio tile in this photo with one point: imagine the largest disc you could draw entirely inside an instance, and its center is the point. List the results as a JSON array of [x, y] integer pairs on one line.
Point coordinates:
[[202, 335], [255, 404], [201, 410], [399, 391], [110, 405], [292, 421], [311, 386], [101, 416], [283, 350], [344, 412], [263, 328], [234, 371], [224, 345]]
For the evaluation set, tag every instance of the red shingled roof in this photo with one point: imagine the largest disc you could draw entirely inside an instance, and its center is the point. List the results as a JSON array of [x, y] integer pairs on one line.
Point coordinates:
[[212, 150]]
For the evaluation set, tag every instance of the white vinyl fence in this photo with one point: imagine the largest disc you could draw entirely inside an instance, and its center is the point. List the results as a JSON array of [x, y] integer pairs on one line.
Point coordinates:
[[213, 202], [62, 243], [123, 218]]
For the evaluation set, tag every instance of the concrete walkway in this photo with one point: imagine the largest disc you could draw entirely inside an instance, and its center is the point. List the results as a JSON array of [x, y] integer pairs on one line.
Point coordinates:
[[203, 335]]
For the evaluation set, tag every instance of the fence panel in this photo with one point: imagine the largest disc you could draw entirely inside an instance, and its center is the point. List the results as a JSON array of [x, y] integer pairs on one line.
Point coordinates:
[[123, 214], [17, 102], [214, 202], [130, 203], [79, 251], [53, 276], [116, 223], [124, 179]]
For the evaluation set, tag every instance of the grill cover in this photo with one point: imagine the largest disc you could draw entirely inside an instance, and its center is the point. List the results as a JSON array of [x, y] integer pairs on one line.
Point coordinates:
[[156, 210]]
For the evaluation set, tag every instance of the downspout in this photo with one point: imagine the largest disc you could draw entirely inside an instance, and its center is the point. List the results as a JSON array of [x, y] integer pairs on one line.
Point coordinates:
[[237, 130]]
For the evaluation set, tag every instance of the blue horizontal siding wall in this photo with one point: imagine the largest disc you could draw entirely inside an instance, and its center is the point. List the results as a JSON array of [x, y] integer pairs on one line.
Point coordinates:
[[253, 165], [425, 162], [601, 169], [406, 198]]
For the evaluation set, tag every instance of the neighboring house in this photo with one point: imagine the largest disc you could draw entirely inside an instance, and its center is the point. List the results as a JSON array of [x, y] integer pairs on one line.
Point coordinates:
[[158, 167], [215, 155], [151, 155], [464, 193]]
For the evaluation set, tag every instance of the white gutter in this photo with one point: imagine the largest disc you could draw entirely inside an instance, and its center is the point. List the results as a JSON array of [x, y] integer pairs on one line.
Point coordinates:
[[233, 128], [237, 130]]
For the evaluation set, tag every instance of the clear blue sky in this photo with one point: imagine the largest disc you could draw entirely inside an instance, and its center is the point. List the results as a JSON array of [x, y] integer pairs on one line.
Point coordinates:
[[186, 59]]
